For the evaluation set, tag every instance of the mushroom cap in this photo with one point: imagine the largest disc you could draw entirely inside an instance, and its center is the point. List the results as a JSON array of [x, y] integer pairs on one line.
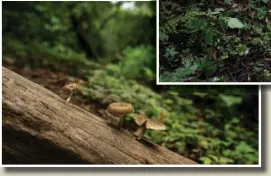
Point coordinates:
[[155, 125], [71, 86], [120, 108], [141, 119]]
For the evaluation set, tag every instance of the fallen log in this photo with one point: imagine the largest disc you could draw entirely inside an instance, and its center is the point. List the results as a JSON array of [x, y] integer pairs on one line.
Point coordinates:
[[39, 127]]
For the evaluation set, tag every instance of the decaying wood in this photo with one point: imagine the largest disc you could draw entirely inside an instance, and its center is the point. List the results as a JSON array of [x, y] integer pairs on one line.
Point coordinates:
[[39, 127]]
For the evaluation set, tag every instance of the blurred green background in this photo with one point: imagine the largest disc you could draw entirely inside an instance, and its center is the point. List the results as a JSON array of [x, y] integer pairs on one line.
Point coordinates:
[[109, 47]]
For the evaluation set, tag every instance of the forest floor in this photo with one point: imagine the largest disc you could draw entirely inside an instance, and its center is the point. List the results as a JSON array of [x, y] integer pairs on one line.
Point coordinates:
[[221, 41]]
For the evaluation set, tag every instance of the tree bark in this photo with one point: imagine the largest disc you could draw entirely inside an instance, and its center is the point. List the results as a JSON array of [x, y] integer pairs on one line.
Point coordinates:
[[39, 127]]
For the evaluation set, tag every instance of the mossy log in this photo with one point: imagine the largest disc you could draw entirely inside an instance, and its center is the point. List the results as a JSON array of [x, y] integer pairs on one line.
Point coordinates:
[[39, 127]]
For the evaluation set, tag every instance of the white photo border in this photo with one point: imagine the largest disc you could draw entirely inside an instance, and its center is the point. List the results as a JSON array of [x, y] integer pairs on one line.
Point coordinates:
[[129, 165]]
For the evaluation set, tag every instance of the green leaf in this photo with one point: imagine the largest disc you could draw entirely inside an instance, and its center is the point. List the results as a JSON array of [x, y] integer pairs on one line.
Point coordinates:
[[223, 23], [206, 160], [163, 36], [228, 1], [235, 120], [209, 36], [244, 148], [200, 94], [230, 100], [171, 52], [235, 23], [225, 160]]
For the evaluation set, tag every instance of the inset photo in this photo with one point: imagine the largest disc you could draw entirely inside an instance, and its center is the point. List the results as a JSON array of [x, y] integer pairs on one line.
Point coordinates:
[[214, 41]]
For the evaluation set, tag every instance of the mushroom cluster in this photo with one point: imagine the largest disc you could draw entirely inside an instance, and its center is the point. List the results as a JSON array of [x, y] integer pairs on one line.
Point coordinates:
[[120, 109], [145, 123], [71, 87]]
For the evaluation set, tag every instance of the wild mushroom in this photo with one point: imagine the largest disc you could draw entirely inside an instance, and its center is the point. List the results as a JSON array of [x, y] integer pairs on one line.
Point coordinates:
[[155, 125], [71, 87], [140, 121], [146, 123], [120, 109]]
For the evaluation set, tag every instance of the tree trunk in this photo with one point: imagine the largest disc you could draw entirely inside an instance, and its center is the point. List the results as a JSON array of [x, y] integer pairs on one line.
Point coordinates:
[[39, 127]]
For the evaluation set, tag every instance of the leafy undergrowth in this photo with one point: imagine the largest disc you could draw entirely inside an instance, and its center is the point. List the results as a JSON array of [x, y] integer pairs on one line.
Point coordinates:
[[215, 41], [194, 132], [205, 125]]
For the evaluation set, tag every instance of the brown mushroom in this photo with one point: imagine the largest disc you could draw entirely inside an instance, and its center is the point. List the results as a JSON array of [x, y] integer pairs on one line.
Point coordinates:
[[141, 119], [71, 87], [120, 109], [155, 125], [146, 123]]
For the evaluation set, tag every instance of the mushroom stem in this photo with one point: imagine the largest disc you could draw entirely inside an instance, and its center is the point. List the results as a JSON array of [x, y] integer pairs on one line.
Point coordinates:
[[140, 132], [69, 98], [121, 121]]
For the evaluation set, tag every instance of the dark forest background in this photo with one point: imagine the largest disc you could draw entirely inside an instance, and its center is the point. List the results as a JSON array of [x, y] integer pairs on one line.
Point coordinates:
[[215, 41]]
